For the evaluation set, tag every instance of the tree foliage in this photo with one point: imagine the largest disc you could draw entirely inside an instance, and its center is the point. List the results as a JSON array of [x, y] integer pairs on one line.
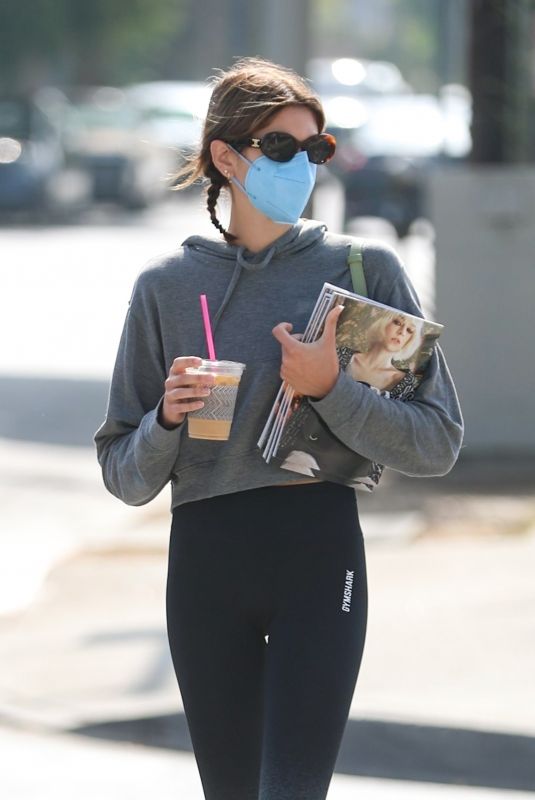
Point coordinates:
[[82, 40]]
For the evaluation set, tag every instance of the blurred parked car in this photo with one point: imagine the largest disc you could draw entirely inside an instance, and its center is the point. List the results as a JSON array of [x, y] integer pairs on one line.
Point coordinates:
[[386, 148], [388, 136], [105, 133], [172, 114], [35, 175], [355, 77]]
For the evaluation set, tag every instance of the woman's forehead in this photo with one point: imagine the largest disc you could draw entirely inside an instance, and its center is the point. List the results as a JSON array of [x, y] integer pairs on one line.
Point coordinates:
[[297, 120]]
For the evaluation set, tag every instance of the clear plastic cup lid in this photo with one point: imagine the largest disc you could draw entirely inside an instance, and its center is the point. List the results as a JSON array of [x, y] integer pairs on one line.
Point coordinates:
[[226, 366]]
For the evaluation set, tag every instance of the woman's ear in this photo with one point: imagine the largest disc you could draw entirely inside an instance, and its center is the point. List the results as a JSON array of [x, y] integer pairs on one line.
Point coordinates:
[[223, 158]]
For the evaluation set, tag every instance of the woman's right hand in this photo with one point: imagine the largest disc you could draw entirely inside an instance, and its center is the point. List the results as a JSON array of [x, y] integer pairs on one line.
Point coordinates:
[[183, 391]]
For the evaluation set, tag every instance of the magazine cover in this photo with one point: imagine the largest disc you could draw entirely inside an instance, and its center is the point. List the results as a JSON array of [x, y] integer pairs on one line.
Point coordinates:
[[383, 347]]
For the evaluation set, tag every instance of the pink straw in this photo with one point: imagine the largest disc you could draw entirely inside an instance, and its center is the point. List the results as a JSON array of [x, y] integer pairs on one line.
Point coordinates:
[[207, 328]]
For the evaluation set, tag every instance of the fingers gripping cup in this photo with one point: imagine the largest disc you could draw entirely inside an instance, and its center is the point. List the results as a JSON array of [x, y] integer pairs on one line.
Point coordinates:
[[214, 419]]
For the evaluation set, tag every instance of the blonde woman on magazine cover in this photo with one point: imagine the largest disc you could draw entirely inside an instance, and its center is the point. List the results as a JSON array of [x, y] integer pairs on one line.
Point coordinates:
[[392, 337]]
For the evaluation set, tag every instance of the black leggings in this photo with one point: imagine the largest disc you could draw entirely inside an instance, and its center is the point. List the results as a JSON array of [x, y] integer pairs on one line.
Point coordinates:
[[266, 719]]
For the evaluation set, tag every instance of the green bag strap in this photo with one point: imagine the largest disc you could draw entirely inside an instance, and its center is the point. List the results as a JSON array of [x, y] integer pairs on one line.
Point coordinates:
[[354, 260]]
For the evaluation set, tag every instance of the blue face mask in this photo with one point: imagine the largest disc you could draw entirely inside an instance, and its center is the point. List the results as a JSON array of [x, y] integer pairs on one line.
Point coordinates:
[[279, 189]]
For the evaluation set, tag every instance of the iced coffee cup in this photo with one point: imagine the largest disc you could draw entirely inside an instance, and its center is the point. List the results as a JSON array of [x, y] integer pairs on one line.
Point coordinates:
[[214, 419]]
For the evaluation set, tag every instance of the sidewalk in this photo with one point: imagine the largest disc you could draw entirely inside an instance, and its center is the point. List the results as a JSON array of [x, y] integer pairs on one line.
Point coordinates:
[[445, 694], [60, 767]]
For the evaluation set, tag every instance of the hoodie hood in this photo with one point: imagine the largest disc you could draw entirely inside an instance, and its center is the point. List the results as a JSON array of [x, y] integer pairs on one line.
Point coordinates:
[[297, 238]]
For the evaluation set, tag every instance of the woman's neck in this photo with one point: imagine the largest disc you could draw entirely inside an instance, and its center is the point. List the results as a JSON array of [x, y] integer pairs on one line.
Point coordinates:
[[253, 230], [379, 358]]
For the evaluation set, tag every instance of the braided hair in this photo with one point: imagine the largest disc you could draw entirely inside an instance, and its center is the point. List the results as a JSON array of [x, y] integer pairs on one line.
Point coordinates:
[[243, 99], [217, 182]]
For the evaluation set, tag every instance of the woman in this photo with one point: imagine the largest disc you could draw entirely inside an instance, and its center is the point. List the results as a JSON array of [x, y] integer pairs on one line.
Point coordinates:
[[266, 589], [392, 337]]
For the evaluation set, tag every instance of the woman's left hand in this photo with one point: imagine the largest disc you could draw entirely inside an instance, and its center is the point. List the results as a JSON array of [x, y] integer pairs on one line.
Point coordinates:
[[310, 368]]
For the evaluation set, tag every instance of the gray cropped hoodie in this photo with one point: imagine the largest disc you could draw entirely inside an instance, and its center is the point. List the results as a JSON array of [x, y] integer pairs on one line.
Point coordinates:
[[248, 294]]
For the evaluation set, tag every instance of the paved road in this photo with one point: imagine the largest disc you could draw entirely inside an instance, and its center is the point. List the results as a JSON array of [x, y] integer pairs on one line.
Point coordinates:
[[64, 293], [64, 290]]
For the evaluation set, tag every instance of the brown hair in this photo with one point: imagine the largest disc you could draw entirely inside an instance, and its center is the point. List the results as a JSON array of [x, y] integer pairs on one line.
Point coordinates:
[[243, 99]]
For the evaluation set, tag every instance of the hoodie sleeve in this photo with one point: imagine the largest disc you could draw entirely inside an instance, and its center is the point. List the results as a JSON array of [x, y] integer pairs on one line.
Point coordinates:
[[135, 452], [421, 437]]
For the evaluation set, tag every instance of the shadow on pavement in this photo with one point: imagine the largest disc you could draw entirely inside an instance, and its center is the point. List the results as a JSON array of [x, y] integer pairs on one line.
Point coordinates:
[[52, 410], [379, 749]]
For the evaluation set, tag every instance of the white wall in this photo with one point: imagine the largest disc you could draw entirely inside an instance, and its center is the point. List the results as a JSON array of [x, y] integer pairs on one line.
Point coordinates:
[[485, 295]]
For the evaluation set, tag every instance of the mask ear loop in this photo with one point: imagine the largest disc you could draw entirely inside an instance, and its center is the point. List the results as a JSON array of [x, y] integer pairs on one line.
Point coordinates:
[[234, 180]]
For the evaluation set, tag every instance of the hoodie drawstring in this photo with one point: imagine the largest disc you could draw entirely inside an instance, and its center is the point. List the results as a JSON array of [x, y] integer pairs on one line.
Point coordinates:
[[241, 263]]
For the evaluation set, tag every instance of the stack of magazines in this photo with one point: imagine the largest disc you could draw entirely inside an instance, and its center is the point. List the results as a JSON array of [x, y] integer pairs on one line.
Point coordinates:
[[380, 346]]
